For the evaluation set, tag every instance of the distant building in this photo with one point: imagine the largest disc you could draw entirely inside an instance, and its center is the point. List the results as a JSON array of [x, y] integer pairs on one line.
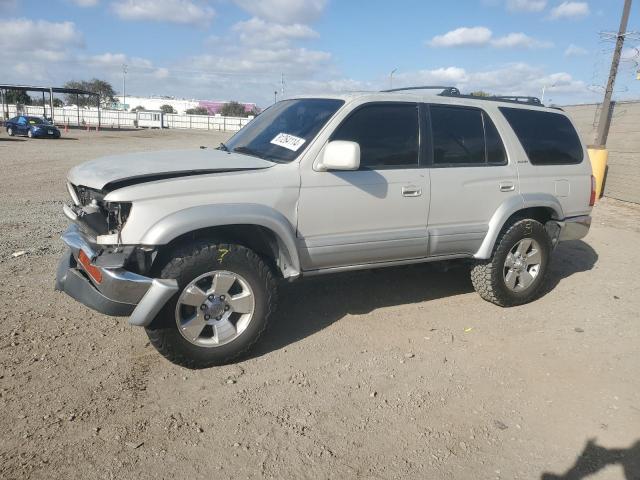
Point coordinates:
[[215, 107], [180, 105]]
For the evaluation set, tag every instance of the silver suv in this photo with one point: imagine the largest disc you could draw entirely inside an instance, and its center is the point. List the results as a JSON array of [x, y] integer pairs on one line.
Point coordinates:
[[191, 245]]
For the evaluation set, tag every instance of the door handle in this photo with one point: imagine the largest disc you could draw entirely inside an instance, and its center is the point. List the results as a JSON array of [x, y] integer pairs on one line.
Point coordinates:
[[411, 191], [507, 187]]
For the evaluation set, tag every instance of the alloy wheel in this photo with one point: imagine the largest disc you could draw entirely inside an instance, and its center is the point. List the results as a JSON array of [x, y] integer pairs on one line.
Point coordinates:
[[215, 308]]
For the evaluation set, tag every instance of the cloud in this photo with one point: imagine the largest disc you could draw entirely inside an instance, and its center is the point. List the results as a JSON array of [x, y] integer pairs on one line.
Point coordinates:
[[294, 61], [284, 11], [462, 37], [571, 10], [511, 79], [519, 40], [631, 54], [116, 60], [257, 31], [482, 36], [575, 51], [186, 12], [526, 5], [47, 35]]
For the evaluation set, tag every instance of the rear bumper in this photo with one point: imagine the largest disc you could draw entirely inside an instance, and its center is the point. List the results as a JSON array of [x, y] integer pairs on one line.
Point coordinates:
[[574, 228], [119, 293]]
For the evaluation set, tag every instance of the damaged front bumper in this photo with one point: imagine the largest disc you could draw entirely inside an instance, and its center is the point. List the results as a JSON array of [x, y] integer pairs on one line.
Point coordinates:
[[118, 292]]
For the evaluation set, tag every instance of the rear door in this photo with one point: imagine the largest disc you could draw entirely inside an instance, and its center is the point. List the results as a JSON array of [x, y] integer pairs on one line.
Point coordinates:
[[471, 176]]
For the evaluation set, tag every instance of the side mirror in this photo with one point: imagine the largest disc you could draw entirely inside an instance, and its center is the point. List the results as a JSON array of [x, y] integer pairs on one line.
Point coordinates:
[[341, 155]]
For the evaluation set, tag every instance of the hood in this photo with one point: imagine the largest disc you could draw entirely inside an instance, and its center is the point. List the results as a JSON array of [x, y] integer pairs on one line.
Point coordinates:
[[112, 172]]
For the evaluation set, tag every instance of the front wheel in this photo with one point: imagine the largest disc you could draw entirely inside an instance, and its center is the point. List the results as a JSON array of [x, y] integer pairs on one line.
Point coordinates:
[[515, 273], [226, 297], [30, 134]]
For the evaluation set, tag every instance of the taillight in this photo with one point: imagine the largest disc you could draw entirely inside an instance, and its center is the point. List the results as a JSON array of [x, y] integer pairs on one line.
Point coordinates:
[[592, 198], [93, 271]]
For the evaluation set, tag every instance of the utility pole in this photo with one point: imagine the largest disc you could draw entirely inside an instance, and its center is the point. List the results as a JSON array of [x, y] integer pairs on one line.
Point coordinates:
[[124, 85], [275, 96], [605, 113], [282, 84], [391, 78]]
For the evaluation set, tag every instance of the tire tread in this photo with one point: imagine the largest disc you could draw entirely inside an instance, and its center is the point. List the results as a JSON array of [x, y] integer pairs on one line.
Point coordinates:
[[187, 256], [486, 275]]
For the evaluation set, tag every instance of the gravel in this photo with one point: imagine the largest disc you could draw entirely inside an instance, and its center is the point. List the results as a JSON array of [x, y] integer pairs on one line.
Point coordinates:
[[459, 388]]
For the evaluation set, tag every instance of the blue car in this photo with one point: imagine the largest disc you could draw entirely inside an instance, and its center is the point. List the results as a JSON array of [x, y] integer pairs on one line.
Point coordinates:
[[32, 127]]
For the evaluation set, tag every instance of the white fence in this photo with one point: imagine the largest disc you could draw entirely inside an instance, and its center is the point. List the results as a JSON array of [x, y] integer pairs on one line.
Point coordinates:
[[89, 117]]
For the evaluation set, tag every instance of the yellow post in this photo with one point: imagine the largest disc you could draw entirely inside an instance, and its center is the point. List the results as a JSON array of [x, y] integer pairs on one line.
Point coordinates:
[[598, 157]]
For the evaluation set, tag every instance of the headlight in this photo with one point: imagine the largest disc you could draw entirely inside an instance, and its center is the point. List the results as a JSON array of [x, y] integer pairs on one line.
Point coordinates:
[[117, 214]]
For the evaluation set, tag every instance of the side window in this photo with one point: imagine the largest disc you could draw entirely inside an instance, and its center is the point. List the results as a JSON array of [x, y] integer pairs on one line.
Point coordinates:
[[465, 137], [547, 137], [458, 136], [387, 133], [22, 121]]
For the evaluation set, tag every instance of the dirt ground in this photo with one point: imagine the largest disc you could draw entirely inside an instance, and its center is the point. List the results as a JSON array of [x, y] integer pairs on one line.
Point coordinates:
[[399, 373]]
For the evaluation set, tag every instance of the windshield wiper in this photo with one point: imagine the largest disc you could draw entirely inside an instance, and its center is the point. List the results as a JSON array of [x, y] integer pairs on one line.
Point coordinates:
[[222, 147], [249, 151]]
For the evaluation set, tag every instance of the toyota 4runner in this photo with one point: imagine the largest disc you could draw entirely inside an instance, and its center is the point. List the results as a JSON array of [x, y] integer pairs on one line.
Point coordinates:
[[191, 245]]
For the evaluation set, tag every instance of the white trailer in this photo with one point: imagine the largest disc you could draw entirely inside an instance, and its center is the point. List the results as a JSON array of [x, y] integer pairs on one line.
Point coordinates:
[[150, 119]]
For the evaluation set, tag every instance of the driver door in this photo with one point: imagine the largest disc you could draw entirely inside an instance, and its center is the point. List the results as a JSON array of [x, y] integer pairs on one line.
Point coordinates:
[[377, 213], [23, 126]]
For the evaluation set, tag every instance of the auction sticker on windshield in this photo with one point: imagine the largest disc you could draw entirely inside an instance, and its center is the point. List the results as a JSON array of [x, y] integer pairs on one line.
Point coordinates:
[[287, 141]]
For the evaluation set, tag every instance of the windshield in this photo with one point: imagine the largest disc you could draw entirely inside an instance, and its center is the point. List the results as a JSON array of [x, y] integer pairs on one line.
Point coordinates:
[[37, 121], [284, 130]]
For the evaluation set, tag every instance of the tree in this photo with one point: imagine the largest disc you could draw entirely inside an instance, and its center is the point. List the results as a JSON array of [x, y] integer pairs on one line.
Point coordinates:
[[17, 97], [197, 111], [233, 109], [480, 93], [139, 108], [101, 87], [167, 109]]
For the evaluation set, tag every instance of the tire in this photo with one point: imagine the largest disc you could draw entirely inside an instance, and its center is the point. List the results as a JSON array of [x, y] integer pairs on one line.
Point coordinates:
[[494, 279], [198, 260], [30, 134], [10, 132]]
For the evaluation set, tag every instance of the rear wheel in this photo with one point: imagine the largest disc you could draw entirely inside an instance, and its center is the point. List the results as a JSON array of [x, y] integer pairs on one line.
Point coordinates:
[[10, 131], [227, 295], [515, 273]]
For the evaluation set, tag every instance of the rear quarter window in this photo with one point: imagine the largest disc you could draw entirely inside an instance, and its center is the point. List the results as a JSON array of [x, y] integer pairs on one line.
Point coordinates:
[[547, 137]]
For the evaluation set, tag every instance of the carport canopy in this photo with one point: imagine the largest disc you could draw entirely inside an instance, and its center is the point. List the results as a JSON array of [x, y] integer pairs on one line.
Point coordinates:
[[50, 90]]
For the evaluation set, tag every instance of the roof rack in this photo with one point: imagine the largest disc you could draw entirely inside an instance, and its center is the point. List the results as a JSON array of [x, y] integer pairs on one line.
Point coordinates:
[[454, 92], [518, 99], [446, 91]]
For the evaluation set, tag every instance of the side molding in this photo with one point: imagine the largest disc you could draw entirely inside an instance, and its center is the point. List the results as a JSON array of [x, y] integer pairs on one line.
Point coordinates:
[[508, 208], [205, 216]]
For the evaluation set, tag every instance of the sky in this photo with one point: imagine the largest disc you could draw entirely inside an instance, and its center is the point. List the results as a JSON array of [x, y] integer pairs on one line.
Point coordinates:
[[242, 49]]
